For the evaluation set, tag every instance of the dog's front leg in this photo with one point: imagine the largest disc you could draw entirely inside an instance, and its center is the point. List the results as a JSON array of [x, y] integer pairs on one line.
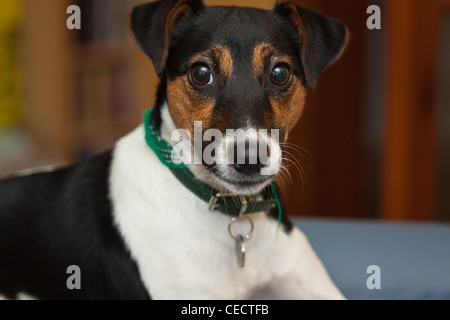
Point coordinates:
[[304, 277]]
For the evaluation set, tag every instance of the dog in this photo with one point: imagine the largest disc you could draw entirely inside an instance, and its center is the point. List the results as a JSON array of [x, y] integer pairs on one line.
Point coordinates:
[[139, 225]]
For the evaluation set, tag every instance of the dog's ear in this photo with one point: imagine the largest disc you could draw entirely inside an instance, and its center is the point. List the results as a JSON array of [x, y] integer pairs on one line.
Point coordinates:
[[153, 24], [322, 39]]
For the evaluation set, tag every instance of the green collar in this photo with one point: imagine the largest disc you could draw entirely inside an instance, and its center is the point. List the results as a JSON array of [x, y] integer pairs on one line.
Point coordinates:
[[232, 205]]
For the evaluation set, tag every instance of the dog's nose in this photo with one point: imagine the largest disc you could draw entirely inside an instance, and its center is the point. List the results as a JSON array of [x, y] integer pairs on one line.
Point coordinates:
[[247, 168], [247, 160]]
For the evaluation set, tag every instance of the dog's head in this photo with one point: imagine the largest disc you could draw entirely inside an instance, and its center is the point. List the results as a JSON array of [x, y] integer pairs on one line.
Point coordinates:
[[231, 68]]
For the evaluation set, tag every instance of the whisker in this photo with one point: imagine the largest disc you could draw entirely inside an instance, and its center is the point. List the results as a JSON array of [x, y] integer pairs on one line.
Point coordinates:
[[300, 170], [300, 150], [290, 154]]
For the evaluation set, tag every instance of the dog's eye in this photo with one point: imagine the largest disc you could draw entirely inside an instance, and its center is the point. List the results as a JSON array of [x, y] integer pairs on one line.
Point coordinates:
[[201, 75], [280, 75]]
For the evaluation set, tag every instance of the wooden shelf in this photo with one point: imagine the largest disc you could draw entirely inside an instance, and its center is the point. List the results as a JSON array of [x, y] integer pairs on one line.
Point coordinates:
[[55, 64], [103, 55]]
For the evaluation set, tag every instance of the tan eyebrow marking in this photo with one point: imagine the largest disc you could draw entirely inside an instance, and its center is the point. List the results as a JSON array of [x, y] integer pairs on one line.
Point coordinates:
[[261, 52], [221, 54], [291, 103]]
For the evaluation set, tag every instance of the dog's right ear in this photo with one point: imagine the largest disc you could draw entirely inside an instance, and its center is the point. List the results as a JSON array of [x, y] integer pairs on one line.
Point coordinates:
[[322, 39], [153, 24]]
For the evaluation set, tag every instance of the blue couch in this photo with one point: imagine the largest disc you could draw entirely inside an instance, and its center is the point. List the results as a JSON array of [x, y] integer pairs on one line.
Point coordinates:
[[413, 258]]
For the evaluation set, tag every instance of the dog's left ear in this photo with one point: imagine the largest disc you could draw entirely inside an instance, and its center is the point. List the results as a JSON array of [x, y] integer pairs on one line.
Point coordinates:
[[154, 23], [322, 39]]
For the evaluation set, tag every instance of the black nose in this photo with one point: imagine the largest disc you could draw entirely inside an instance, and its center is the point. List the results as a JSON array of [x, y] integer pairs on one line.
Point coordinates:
[[247, 162], [248, 169]]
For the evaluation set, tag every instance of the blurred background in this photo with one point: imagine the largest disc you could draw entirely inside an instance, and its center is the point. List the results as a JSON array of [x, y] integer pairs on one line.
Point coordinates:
[[374, 141]]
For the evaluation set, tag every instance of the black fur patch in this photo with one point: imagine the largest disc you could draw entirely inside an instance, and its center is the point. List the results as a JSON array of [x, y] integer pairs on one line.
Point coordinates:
[[49, 221]]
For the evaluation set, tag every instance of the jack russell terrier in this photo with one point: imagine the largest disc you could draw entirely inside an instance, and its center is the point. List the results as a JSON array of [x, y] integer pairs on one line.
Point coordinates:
[[140, 221]]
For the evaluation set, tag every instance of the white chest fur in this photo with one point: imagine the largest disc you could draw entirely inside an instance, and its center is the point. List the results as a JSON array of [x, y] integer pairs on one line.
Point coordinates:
[[184, 251]]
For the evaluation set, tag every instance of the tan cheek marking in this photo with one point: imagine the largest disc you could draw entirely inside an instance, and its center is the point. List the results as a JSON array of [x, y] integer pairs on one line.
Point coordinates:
[[260, 54], [296, 105], [287, 110], [186, 105]]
